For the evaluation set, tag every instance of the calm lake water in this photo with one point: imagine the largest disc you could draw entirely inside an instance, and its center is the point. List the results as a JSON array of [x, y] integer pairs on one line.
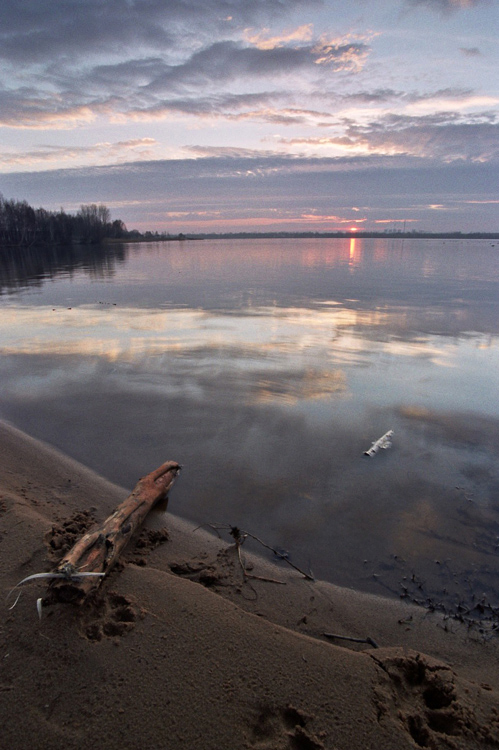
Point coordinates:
[[266, 368]]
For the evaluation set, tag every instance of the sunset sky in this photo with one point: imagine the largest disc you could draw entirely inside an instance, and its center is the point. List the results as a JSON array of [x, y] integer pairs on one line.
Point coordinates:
[[229, 115]]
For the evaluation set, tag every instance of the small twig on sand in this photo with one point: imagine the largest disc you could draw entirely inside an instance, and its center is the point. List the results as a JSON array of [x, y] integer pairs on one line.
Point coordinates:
[[214, 526], [250, 575], [308, 576], [240, 536], [368, 640]]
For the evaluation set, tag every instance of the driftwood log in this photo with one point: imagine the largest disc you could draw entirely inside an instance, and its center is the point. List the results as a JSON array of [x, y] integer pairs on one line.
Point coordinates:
[[98, 550]]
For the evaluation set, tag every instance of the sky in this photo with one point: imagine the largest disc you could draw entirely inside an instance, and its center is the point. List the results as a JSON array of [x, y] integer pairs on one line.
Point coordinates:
[[254, 115]]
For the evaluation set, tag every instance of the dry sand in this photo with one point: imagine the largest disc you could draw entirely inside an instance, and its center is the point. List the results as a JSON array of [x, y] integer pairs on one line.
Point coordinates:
[[178, 651]]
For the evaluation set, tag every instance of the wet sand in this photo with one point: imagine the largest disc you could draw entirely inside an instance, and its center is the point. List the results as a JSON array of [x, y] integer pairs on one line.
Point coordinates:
[[180, 650]]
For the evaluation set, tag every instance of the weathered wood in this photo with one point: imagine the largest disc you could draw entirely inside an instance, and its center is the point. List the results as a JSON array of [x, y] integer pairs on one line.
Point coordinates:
[[385, 441], [98, 550]]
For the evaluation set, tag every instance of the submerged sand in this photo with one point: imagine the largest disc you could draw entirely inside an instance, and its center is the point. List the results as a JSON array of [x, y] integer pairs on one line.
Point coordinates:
[[178, 650]]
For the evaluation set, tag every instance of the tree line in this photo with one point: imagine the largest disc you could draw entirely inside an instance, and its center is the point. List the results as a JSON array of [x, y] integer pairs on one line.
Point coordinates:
[[21, 225]]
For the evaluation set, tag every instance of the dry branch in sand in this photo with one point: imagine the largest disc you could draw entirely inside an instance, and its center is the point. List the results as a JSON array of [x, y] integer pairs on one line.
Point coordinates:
[[99, 549]]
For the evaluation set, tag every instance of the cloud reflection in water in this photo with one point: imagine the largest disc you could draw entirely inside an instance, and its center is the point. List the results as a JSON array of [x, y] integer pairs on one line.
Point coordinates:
[[223, 359]]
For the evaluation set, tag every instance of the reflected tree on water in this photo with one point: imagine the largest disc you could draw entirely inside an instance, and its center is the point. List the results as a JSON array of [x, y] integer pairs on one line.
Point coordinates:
[[32, 266]]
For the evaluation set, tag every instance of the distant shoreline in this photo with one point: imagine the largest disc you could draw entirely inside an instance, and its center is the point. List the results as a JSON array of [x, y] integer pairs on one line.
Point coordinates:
[[137, 238], [310, 235]]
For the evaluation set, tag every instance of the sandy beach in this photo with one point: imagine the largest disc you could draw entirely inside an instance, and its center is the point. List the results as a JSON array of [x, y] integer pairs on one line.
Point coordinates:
[[179, 650]]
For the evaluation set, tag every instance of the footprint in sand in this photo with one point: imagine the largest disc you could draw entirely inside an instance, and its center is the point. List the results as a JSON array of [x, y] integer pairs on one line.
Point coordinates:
[[107, 616], [283, 729], [436, 707]]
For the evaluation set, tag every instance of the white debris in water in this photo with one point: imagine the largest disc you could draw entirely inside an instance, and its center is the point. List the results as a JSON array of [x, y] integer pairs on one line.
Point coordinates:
[[383, 442]]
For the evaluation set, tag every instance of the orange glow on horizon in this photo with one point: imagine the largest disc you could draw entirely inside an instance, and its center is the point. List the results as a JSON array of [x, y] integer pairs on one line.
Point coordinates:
[[212, 221]]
